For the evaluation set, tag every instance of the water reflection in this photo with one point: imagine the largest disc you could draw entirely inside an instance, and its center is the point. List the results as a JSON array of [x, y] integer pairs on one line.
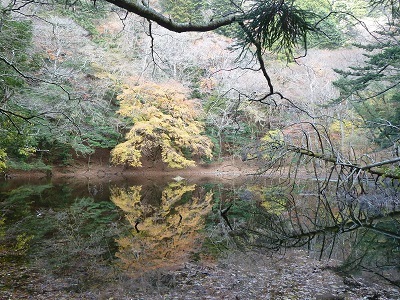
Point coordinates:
[[44, 230], [137, 227], [166, 224], [361, 232]]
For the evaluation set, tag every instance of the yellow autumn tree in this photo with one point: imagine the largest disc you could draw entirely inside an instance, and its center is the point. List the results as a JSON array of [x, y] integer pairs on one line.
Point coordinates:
[[3, 156], [165, 122]]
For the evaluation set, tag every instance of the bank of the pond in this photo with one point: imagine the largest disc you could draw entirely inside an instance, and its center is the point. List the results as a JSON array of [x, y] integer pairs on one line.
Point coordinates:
[[96, 169]]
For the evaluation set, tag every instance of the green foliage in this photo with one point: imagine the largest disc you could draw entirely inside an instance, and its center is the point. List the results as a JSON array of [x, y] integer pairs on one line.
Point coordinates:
[[24, 192], [330, 30], [55, 135], [393, 172], [184, 10], [270, 147], [213, 136], [88, 227], [16, 134], [16, 137], [33, 164], [92, 214], [373, 249], [382, 117], [373, 89], [22, 141], [15, 38], [22, 244], [328, 36], [390, 5], [278, 26], [85, 13], [101, 135], [20, 205]]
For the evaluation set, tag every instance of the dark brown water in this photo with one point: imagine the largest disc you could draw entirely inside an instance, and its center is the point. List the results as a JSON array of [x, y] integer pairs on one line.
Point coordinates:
[[90, 233]]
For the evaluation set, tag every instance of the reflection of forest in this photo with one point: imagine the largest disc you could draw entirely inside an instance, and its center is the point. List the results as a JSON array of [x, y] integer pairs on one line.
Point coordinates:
[[362, 232], [165, 224]]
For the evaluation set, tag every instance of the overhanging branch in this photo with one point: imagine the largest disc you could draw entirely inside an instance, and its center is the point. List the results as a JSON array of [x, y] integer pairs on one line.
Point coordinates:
[[149, 13]]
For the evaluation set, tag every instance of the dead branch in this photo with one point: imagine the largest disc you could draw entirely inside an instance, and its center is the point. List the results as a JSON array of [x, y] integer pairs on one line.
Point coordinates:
[[372, 168]]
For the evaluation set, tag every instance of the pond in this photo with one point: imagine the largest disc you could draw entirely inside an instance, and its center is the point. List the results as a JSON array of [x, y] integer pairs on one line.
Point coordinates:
[[153, 237]]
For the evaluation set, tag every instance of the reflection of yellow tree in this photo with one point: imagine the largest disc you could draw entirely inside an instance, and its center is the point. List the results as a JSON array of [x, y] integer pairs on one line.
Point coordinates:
[[168, 233], [128, 200]]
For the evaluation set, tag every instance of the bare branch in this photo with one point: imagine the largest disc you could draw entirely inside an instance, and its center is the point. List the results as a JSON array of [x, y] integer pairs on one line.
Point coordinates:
[[34, 79], [382, 163], [336, 160]]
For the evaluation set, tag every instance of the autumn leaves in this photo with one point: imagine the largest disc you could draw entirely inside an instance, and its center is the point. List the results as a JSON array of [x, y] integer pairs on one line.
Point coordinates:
[[166, 126]]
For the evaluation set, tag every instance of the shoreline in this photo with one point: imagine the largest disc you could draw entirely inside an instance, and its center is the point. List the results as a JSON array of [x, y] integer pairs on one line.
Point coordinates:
[[220, 171]]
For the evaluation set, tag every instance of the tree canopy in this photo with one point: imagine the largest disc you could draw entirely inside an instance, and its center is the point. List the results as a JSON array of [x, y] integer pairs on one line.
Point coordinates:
[[165, 124], [68, 101], [372, 88]]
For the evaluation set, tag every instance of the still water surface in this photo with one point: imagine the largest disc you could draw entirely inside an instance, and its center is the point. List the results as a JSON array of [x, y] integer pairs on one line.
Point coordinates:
[[93, 231]]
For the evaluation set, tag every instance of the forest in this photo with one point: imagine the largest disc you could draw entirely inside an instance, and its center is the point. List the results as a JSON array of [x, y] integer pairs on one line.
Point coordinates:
[[304, 94], [288, 79]]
